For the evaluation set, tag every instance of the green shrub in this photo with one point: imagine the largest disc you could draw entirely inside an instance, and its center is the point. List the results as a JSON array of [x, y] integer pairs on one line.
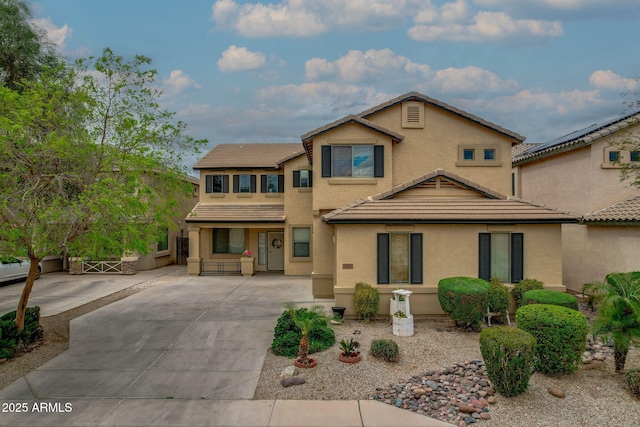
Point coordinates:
[[286, 335], [498, 297], [508, 355], [560, 333], [632, 378], [10, 338], [465, 299], [524, 286], [386, 349], [366, 300], [547, 296]]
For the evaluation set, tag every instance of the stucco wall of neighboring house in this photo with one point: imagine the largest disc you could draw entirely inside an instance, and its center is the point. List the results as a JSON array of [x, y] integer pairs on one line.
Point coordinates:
[[592, 251], [448, 251], [436, 146], [298, 210]]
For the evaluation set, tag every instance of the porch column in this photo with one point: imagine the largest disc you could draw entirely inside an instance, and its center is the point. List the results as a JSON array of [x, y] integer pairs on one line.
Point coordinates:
[[194, 261]]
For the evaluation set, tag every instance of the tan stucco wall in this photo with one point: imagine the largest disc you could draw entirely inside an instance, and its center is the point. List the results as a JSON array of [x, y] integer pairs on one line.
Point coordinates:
[[448, 251], [244, 198], [436, 147], [591, 252], [299, 213]]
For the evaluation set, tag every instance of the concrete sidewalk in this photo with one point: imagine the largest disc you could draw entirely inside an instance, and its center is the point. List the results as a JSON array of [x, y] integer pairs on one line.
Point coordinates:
[[186, 351]]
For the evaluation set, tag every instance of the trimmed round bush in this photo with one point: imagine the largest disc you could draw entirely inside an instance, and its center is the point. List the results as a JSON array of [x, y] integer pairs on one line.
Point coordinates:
[[560, 333], [386, 349], [498, 297], [547, 296], [508, 355], [286, 336], [10, 338], [366, 301], [465, 299], [524, 286]]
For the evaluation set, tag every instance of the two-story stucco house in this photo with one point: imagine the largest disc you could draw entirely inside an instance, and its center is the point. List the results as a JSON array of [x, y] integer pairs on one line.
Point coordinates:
[[401, 195], [580, 173]]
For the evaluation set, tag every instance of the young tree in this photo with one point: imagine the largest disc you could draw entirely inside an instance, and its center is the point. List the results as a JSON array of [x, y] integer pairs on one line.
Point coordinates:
[[24, 49], [630, 140], [92, 167]]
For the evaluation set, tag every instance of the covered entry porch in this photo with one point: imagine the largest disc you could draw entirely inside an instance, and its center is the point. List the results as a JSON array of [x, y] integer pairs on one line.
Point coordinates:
[[220, 236]]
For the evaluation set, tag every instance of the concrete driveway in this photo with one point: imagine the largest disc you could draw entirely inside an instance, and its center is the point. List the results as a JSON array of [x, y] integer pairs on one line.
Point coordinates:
[[187, 351]]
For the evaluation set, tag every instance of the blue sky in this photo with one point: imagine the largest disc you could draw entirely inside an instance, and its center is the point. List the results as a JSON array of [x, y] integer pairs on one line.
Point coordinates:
[[253, 71]]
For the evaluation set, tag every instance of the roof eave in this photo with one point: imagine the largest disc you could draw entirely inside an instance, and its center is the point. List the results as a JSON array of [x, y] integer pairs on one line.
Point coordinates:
[[452, 221]]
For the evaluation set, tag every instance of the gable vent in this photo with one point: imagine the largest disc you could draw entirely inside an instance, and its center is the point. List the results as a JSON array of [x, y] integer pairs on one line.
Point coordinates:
[[413, 115]]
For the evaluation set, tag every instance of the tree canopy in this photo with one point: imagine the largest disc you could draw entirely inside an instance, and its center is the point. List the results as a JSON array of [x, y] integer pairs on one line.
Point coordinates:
[[90, 163]]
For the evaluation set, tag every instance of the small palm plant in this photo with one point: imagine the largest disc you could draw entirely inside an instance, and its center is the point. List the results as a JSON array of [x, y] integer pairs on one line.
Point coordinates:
[[618, 303], [306, 320]]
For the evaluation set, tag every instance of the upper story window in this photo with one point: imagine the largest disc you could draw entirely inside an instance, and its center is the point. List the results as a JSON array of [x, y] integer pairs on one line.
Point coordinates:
[[634, 156], [489, 154], [361, 161], [217, 183], [244, 183], [614, 156], [302, 178], [479, 155], [272, 183]]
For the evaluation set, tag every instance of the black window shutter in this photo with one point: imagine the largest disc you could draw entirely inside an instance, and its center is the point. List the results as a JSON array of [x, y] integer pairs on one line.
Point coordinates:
[[225, 183], [326, 161], [263, 183], [208, 183], [310, 178], [280, 183], [415, 276], [236, 183], [383, 257], [296, 179], [517, 257], [484, 256], [252, 189], [378, 161]]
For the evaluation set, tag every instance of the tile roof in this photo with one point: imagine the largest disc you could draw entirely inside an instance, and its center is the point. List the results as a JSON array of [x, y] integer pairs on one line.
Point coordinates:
[[242, 156], [519, 149], [362, 118], [626, 211], [234, 212], [447, 211], [578, 138], [431, 176]]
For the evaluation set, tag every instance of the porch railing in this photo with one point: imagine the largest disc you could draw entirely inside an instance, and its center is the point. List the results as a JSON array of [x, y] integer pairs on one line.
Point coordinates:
[[220, 268]]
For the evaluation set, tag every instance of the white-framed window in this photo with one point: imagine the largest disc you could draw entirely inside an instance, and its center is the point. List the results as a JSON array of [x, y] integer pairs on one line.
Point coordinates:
[[301, 242]]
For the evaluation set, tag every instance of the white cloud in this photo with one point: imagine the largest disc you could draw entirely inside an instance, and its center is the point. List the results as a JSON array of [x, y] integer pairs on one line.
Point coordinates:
[[370, 66], [470, 80], [301, 18], [240, 59], [602, 79], [57, 35], [177, 82], [484, 27], [566, 9]]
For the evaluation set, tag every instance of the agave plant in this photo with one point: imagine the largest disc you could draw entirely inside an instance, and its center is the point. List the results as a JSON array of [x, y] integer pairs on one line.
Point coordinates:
[[618, 304]]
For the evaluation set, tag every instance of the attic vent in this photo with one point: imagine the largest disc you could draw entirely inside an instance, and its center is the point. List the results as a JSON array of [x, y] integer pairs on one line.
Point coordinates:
[[413, 115]]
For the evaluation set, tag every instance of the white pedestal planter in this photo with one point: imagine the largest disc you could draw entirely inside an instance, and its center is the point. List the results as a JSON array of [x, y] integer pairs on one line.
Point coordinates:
[[403, 326]]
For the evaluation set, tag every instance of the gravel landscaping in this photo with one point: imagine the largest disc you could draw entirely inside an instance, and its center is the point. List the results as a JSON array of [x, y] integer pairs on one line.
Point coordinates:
[[594, 395]]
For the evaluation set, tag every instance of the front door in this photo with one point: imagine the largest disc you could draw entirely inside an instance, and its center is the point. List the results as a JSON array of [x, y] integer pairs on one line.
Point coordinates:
[[275, 251]]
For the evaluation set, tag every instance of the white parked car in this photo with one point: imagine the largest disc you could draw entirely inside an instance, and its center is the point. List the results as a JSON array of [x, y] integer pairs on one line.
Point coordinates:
[[12, 268]]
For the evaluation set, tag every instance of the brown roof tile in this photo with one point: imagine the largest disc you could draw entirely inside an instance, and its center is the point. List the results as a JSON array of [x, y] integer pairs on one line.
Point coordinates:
[[449, 211], [236, 213], [262, 155], [625, 211]]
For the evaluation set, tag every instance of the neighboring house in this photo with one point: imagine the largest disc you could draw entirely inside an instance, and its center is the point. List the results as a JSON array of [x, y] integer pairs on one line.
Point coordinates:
[[401, 195], [580, 173]]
